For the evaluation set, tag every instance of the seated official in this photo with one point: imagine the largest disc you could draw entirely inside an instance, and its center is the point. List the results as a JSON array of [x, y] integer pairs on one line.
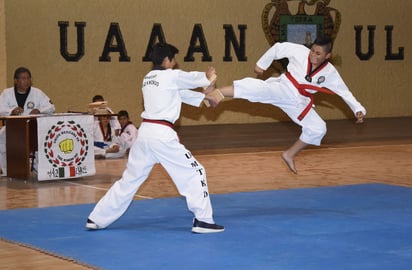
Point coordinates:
[[21, 99]]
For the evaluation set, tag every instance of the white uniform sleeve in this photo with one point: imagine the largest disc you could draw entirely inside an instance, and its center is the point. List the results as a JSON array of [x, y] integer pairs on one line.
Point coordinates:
[[161, 92], [114, 123], [192, 98], [7, 102], [278, 51], [338, 86], [128, 136], [191, 79], [42, 101], [115, 139]]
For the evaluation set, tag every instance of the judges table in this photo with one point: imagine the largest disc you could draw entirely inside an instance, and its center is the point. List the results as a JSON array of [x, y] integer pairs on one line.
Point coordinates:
[[63, 142], [21, 140]]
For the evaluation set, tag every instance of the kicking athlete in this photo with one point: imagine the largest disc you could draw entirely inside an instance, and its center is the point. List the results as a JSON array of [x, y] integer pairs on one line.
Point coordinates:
[[164, 90], [308, 72]]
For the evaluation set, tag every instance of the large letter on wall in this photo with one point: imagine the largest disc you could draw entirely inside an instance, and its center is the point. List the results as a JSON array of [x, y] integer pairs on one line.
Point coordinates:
[[80, 41], [239, 47], [371, 49], [197, 34], [157, 33], [114, 34], [389, 54]]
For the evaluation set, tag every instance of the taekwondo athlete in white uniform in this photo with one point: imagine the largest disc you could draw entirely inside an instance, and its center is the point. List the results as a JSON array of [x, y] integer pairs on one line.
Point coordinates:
[[308, 71], [164, 90]]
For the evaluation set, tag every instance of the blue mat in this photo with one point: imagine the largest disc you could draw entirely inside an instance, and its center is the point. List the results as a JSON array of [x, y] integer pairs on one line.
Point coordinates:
[[347, 227]]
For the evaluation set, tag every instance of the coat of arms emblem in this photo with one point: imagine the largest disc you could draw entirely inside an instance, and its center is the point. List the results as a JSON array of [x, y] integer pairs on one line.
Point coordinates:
[[280, 24], [300, 27]]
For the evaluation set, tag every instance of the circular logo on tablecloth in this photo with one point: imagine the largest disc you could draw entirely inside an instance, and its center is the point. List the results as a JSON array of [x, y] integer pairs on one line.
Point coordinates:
[[66, 144]]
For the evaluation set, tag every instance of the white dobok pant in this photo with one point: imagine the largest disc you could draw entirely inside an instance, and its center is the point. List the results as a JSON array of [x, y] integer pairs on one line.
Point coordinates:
[[156, 143], [286, 97]]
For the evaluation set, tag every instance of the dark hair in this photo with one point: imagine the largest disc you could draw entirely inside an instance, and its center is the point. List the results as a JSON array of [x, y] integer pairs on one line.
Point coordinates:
[[97, 98], [162, 50], [21, 70], [123, 113], [324, 41]]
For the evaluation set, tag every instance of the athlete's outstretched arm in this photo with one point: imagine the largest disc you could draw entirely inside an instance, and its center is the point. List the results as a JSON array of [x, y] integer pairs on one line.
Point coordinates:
[[259, 70]]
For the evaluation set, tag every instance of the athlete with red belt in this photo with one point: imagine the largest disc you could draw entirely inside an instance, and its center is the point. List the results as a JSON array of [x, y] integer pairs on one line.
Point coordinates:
[[308, 71], [164, 90]]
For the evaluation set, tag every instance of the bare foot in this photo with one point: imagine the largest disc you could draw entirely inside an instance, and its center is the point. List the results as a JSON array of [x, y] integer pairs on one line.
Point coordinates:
[[290, 163]]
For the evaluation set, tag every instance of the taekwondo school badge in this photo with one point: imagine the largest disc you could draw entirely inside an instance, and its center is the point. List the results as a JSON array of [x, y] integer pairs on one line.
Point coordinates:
[[30, 105], [301, 27], [321, 80]]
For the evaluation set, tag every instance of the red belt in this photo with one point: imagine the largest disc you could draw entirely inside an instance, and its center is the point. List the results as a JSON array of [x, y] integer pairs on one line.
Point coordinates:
[[302, 90], [160, 122]]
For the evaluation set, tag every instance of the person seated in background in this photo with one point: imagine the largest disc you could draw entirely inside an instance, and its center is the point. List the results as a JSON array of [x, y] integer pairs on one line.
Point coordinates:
[[113, 119], [106, 143], [128, 132], [21, 99]]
